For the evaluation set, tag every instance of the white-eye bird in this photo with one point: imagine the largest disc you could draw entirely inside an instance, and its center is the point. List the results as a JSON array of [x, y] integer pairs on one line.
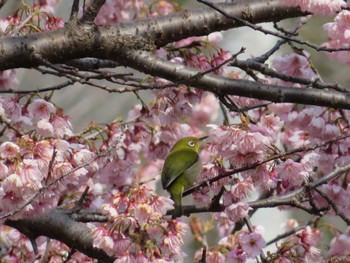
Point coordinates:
[[182, 169]]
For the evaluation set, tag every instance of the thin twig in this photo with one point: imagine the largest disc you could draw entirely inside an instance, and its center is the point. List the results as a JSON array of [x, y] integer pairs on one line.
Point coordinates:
[[54, 182], [264, 69], [275, 157], [334, 206], [36, 91], [262, 58], [288, 234]]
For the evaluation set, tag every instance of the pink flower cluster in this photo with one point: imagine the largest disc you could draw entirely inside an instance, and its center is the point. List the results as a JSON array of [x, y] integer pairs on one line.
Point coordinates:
[[340, 246], [321, 7], [8, 80], [47, 5], [16, 247], [28, 19], [113, 12], [235, 248], [338, 36], [138, 219], [26, 159], [300, 247], [295, 65]]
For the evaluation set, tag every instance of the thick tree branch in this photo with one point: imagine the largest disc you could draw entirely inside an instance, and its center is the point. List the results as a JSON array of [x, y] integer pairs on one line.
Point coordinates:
[[58, 225], [84, 40], [147, 63]]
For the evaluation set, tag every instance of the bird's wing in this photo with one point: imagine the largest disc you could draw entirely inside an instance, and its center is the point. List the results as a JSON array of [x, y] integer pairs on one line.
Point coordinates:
[[175, 164]]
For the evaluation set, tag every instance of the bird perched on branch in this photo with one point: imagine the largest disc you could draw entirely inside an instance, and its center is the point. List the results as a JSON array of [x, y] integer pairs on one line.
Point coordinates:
[[182, 169]]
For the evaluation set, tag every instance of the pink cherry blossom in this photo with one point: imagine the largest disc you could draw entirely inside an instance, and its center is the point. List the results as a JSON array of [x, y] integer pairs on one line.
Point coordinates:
[[215, 257], [62, 126], [43, 149], [3, 171], [206, 111], [341, 56], [187, 41], [237, 211], [340, 28], [292, 173], [252, 244], [219, 59], [141, 258], [8, 79], [215, 37], [121, 244], [33, 172], [340, 246], [321, 7], [252, 143], [241, 189], [48, 5], [236, 255], [294, 65], [44, 128], [162, 204], [41, 109], [142, 213], [173, 242], [9, 150], [102, 240], [114, 11], [199, 61], [269, 125], [338, 36], [11, 107]]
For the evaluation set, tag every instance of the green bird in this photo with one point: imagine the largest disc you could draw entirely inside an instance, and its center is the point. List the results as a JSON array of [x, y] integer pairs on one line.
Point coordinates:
[[181, 169]]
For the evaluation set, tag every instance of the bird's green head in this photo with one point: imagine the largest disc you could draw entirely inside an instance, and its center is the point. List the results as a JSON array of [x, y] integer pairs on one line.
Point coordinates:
[[188, 143]]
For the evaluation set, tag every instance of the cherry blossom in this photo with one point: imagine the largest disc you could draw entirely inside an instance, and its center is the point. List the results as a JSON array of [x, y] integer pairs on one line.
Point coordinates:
[[237, 211], [9, 150], [294, 65], [340, 246], [8, 79], [292, 174], [103, 240], [46, 163], [322, 7], [338, 36], [252, 244], [41, 109]]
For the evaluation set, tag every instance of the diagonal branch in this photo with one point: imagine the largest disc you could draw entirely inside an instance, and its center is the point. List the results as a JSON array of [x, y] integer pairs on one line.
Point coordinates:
[[147, 63]]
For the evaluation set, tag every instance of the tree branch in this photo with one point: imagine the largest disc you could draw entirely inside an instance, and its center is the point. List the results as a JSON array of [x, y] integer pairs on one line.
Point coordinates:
[[76, 41], [147, 63], [74, 9], [58, 225], [92, 11]]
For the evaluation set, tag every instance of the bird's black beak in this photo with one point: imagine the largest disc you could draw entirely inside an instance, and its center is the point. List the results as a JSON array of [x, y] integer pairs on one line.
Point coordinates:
[[203, 138]]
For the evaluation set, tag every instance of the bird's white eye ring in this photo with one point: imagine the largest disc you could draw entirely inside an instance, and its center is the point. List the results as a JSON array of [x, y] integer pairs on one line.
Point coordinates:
[[191, 143]]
